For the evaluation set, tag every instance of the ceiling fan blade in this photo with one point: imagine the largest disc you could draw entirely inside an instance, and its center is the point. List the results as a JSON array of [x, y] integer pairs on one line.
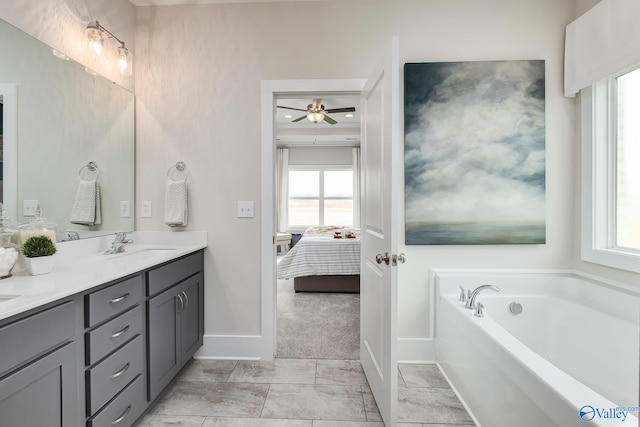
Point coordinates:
[[299, 118], [341, 110], [290, 108], [329, 120]]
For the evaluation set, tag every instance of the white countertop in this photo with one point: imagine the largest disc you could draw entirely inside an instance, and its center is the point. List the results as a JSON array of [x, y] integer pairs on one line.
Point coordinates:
[[81, 265]]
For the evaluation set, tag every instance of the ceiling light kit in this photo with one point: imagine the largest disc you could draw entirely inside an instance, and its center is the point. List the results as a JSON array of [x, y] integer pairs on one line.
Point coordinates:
[[97, 34]]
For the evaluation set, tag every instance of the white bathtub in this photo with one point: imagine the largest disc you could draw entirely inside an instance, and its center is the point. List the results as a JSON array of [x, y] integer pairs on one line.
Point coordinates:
[[574, 347]]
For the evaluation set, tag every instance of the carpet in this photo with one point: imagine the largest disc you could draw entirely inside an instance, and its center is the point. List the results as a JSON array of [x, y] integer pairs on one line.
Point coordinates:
[[317, 325]]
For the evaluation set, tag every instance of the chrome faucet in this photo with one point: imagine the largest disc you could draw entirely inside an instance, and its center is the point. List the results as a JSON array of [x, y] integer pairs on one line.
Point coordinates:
[[118, 244], [71, 235], [471, 301]]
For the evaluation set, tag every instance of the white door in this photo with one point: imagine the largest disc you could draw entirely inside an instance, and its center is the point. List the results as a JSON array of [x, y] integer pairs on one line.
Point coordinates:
[[378, 274]]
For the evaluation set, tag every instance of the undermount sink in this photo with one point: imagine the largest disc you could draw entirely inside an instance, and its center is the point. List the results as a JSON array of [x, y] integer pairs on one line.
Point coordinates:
[[4, 298], [140, 254]]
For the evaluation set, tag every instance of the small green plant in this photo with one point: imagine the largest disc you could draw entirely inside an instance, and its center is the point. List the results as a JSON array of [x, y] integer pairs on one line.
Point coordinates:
[[37, 246]]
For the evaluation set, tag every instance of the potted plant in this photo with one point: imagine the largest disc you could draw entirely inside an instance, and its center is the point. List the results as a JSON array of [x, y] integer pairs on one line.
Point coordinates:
[[38, 252]]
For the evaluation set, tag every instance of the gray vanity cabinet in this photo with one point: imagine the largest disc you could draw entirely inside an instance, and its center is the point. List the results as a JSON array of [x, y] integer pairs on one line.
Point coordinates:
[[175, 319], [98, 358], [38, 367]]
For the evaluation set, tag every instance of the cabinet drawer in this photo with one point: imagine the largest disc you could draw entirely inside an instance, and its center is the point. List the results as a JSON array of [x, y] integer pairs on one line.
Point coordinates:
[[112, 300], [125, 409], [110, 376], [168, 275], [108, 337], [26, 338]]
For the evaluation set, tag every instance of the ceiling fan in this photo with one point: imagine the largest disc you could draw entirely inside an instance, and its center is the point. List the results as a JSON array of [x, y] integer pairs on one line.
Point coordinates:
[[316, 113]]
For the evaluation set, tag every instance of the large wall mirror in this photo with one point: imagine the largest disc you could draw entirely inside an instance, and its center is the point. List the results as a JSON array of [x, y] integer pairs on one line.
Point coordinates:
[[57, 118]]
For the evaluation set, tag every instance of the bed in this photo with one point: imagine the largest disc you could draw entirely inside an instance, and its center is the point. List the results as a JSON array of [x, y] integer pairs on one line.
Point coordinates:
[[326, 259]]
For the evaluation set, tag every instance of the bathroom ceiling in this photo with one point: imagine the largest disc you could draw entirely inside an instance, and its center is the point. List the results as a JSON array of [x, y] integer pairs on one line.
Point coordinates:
[[346, 132]]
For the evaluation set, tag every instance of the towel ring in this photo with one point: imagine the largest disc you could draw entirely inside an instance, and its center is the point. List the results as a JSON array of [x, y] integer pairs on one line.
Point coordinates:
[[176, 169], [92, 167]]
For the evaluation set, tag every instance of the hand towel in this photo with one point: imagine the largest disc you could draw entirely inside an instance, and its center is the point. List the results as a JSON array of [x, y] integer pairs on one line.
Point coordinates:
[[175, 203], [86, 208]]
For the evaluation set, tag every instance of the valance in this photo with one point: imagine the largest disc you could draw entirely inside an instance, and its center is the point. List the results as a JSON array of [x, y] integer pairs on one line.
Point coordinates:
[[602, 42]]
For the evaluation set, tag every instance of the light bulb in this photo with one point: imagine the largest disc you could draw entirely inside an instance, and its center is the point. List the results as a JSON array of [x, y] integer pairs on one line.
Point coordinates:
[[124, 61], [95, 37]]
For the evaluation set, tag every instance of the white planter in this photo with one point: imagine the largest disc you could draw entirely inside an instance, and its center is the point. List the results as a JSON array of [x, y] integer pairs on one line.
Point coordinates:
[[39, 265]]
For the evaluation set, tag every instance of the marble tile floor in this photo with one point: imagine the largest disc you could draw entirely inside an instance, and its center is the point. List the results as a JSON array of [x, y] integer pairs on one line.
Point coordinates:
[[300, 393]]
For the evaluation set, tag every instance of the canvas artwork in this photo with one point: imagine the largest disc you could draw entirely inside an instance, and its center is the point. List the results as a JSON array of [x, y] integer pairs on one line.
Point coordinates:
[[475, 153]]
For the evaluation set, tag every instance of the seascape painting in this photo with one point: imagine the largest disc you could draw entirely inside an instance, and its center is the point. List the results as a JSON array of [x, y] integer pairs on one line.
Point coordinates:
[[475, 153]]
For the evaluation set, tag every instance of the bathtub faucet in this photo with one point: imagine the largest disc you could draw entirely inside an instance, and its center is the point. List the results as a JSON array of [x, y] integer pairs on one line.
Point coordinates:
[[471, 301]]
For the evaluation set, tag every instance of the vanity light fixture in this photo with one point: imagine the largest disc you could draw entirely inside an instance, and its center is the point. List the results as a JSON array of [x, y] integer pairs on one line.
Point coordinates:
[[97, 34]]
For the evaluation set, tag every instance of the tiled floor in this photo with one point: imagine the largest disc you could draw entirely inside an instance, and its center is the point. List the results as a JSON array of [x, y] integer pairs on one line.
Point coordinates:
[[300, 393]]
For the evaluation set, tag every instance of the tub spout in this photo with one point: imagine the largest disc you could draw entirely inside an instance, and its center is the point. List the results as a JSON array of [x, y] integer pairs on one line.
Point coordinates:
[[471, 301]]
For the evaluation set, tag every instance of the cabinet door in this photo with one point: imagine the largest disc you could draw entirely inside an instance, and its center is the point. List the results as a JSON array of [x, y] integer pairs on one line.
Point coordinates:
[[191, 316], [42, 394], [164, 340]]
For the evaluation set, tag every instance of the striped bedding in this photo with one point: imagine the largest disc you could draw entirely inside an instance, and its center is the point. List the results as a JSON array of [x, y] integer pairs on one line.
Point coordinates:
[[321, 255]]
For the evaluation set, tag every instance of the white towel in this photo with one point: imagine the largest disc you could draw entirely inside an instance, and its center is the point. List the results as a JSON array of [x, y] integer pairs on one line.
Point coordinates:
[[86, 208], [175, 203]]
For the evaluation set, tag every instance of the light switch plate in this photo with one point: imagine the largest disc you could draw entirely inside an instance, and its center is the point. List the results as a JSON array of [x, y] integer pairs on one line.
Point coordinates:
[[245, 209], [125, 209], [146, 209]]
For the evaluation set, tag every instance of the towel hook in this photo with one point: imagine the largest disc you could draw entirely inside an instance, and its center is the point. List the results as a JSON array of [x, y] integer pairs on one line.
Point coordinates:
[[179, 167], [92, 167]]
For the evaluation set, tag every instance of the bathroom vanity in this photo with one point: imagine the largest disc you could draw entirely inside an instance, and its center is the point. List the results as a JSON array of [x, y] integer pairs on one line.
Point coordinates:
[[102, 355]]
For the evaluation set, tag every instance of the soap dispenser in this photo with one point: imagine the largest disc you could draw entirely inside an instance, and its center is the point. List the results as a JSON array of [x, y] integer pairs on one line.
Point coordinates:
[[38, 226]]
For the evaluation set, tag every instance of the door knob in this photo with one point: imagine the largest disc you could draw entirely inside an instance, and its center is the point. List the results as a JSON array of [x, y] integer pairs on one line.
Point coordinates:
[[385, 258]]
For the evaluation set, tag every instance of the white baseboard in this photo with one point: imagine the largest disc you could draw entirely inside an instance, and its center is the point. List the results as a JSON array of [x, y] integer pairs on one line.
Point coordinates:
[[416, 350], [240, 347], [235, 347]]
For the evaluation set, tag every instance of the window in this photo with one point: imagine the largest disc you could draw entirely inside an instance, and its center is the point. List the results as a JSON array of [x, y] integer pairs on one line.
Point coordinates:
[[320, 196], [627, 156], [611, 177]]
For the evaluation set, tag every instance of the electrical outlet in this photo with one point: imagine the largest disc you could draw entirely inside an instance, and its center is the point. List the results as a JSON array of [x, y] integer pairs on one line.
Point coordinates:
[[245, 209], [125, 209], [146, 209], [29, 207]]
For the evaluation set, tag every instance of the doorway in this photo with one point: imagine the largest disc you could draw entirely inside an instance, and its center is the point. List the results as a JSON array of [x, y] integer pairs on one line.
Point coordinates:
[[272, 91], [317, 188]]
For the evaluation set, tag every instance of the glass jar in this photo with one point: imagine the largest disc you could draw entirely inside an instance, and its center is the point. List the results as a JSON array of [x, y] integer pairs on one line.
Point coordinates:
[[9, 226], [38, 226], [9, 252]]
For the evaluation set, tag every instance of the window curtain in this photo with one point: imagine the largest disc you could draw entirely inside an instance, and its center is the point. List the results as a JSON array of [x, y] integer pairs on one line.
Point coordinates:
[[356, 186], [600, 43], [282, 186]]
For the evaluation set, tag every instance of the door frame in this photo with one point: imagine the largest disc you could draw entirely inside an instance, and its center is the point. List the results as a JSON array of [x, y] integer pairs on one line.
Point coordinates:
[[270, 90]]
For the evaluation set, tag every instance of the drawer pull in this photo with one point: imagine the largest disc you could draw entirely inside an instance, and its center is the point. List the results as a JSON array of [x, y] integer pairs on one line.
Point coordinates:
[[120, 372], [120, 298], [122, 417], [119, 333]]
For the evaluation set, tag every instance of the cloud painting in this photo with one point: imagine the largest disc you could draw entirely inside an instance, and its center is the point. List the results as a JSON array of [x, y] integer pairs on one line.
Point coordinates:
[[475, 153]]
